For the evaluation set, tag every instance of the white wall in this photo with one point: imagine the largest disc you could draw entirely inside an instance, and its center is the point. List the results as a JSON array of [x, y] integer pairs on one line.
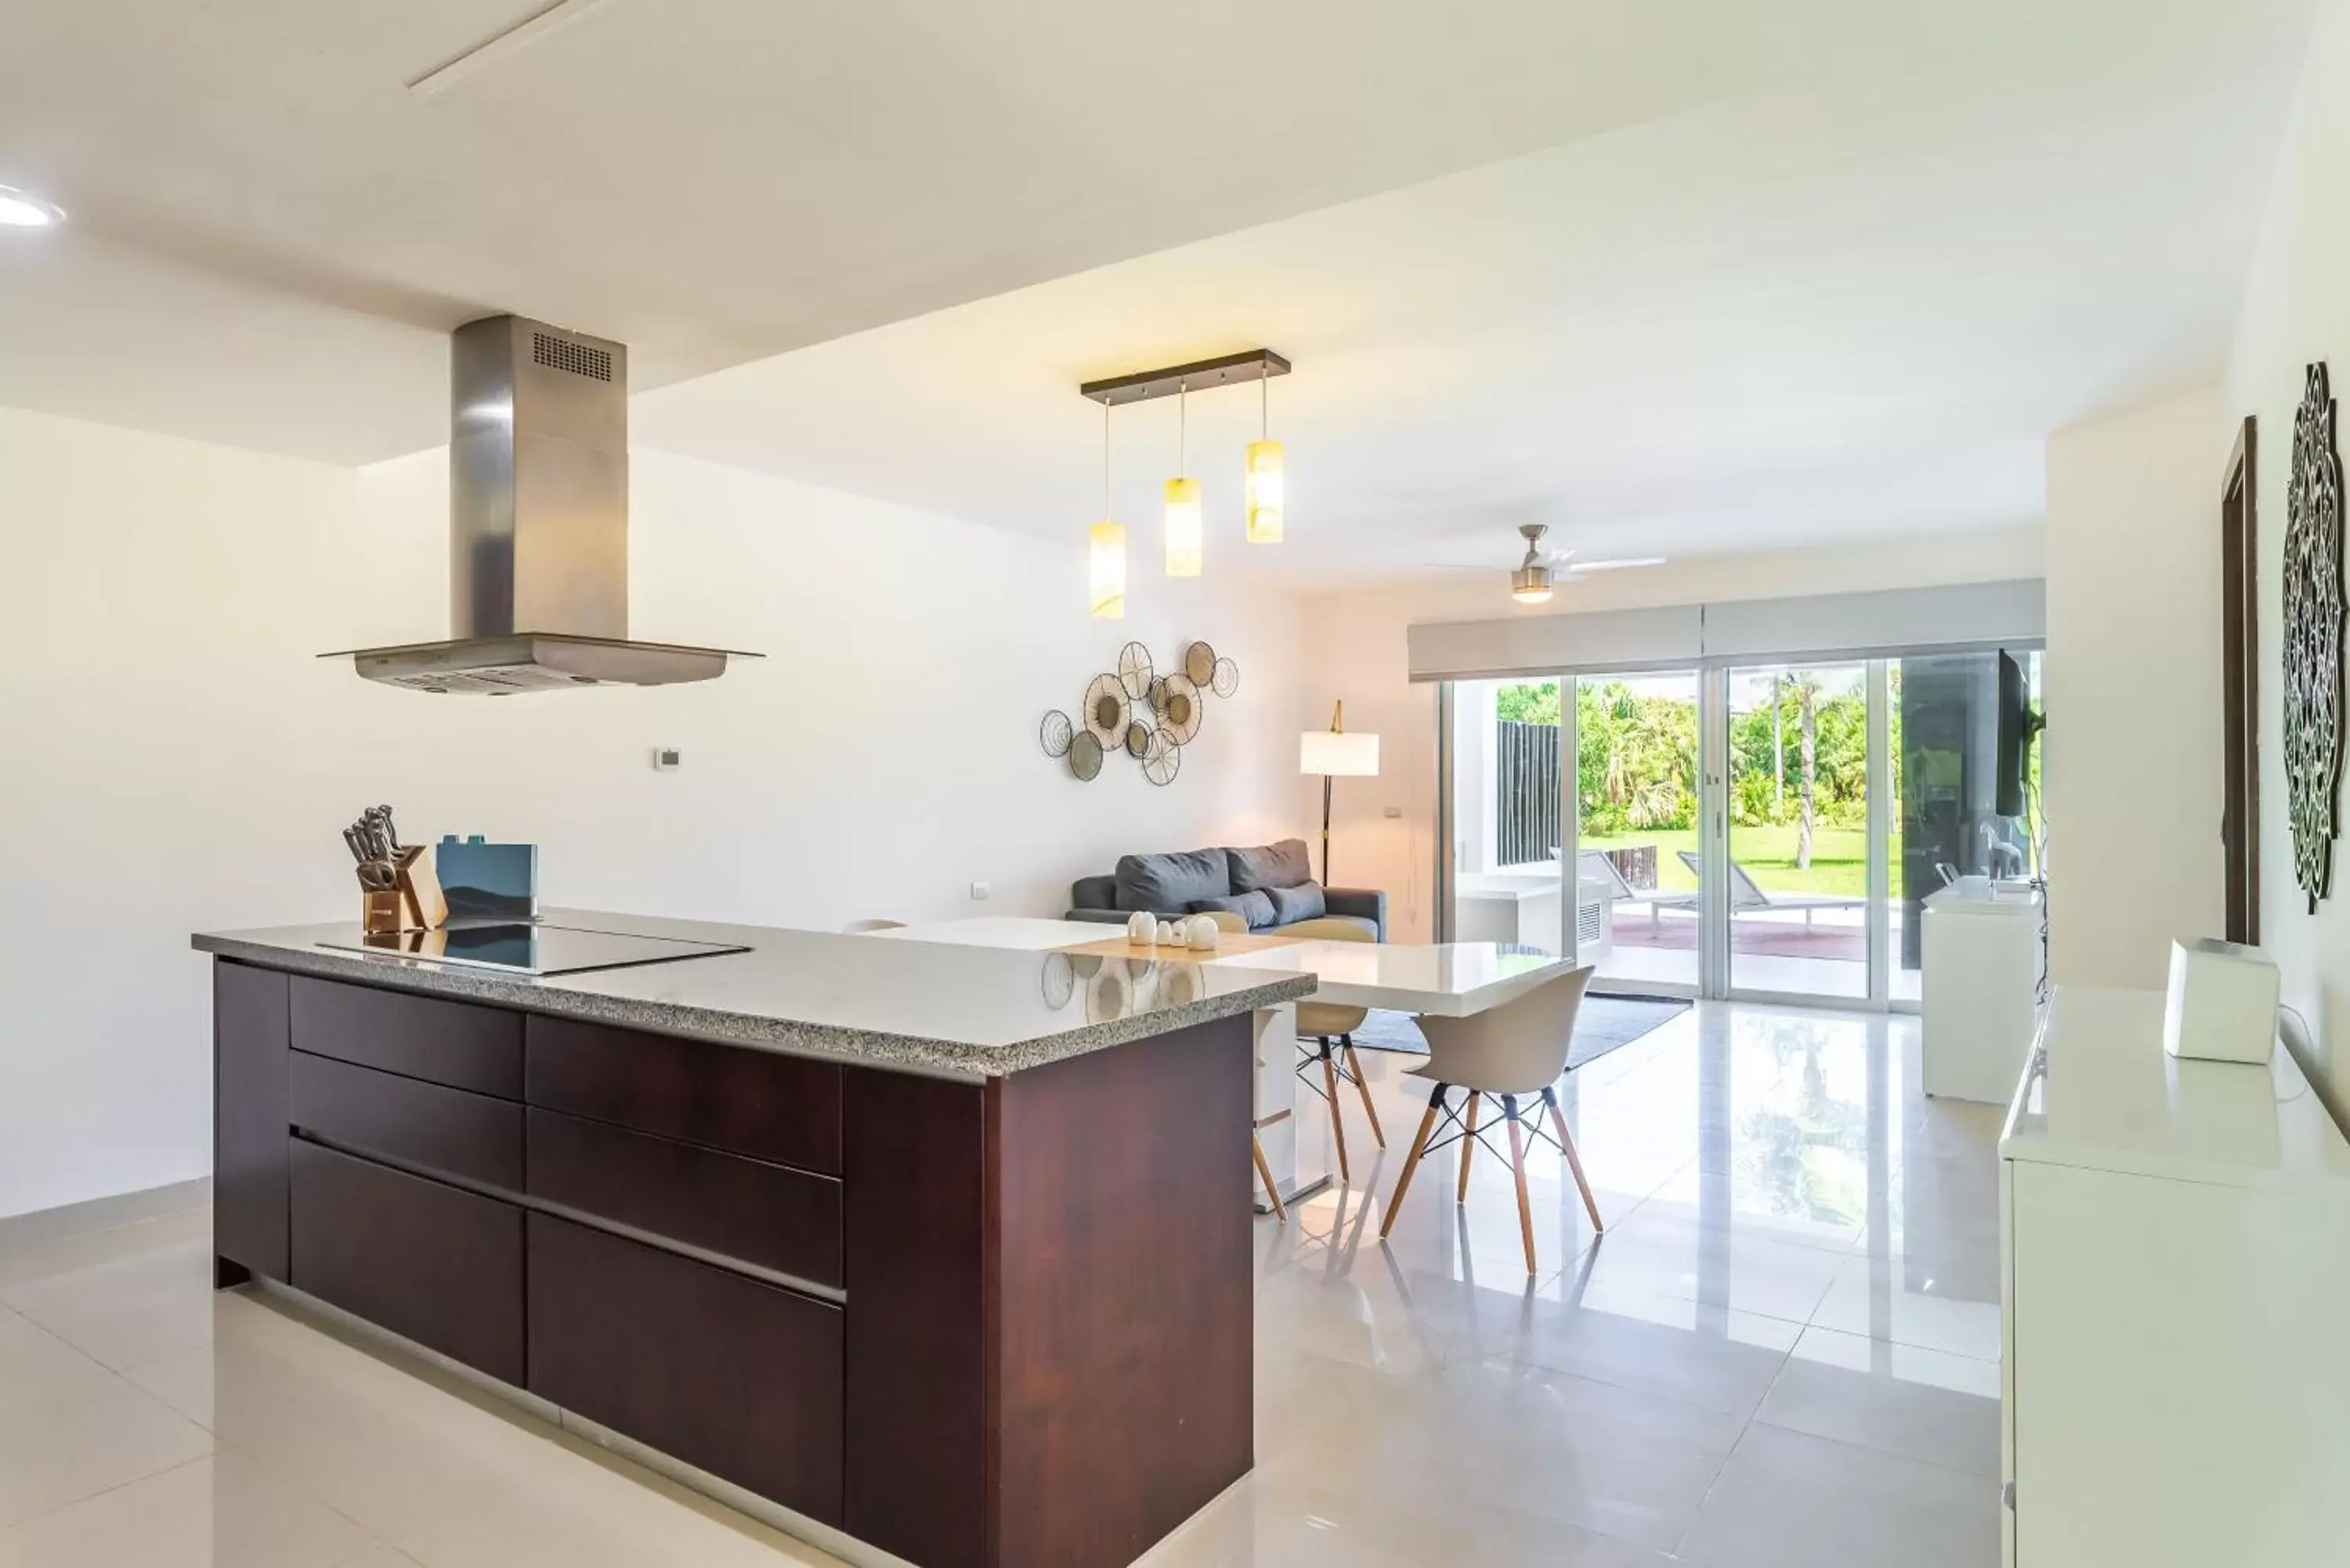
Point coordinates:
[[2132, 764], [2297, 310], [1354, 650], [181, 761]]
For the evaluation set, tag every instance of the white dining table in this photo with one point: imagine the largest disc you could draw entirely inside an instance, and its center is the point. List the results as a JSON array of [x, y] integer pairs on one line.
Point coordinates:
[[1451, 980]]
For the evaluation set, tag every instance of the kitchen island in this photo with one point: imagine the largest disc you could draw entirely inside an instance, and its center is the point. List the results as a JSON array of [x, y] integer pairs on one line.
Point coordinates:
[[937, 1250]]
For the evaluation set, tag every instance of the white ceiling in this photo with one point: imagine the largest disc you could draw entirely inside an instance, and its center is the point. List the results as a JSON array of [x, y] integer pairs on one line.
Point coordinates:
[[1672, 278], [715, 181]]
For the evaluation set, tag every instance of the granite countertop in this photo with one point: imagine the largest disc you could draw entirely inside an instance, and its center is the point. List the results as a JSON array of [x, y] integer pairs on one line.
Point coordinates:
[[967, 1012]]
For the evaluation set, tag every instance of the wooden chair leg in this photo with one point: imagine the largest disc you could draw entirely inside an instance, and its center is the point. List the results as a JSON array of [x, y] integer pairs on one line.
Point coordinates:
[[1362, 1086], [1467, 1147], [1518, 1164], [1411, 1160], [1338, 1122], [1574, 1163], [1264, 1174]]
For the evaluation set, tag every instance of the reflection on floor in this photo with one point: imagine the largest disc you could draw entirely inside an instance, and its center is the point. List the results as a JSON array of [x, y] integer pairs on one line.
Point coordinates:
[[1785, 1351]]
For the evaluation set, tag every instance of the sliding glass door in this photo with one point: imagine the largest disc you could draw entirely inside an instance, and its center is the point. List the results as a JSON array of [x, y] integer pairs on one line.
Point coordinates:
[[1508, 750], [1742, 828], [1798, 822], [1637, 810]]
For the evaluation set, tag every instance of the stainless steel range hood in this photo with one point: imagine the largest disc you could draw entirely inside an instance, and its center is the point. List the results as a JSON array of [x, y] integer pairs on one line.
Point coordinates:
[[538, 525]]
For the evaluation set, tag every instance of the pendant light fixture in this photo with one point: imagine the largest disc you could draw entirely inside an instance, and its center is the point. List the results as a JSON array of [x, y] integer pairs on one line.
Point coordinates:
[[1106, 553], [1183, 525], [1263, 481], [1184, 529]]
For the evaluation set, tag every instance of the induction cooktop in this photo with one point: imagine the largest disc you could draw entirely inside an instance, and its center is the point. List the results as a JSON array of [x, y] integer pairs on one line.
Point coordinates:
[[525, 947]]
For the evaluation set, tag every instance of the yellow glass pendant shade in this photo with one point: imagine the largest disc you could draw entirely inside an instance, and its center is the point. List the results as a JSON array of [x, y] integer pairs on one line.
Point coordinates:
[[1264, 492], [1108, 563]]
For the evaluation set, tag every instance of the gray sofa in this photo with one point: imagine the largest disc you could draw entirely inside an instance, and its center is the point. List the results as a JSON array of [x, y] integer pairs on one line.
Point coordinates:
[[1270, 885]]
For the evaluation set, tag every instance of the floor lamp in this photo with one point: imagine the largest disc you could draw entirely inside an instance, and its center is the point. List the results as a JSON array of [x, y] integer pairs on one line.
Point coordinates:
[[1334, 753]]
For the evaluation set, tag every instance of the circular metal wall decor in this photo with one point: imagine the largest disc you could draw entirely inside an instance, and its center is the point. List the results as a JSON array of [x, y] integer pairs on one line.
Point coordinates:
[[2312, 637], [1134, 671], [1136, 707], [1163, 759], [1108, 711], [1179, 714]]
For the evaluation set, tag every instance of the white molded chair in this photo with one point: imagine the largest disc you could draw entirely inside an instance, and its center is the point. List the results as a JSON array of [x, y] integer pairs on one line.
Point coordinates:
[[1332, 1029], [859, 927], [1518, 1049]]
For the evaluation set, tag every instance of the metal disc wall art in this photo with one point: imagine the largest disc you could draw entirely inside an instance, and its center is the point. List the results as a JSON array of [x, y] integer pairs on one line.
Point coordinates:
[[1136, 708], [1180, 714], [2312, 637], [1134, 671], [1108, 711], [1163, 759]]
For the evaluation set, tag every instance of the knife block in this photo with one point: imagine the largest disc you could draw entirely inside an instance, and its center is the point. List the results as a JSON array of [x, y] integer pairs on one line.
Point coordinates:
[[415, 904]]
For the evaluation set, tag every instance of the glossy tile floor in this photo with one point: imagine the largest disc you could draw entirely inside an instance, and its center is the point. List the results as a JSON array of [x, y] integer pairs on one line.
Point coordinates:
[[1783, 1352]]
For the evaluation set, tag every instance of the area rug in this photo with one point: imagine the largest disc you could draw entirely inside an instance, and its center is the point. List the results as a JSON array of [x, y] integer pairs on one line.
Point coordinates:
[[1603, 1024]]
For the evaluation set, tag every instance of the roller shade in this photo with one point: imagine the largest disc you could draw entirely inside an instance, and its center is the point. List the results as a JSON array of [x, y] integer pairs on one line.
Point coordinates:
[[1810, 628]]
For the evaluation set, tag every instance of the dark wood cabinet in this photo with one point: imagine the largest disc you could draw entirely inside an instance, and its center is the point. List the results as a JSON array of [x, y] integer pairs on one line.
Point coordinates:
[[768, 1216], [780, 1109], [450, 1042], [407, 1121], [249, 1115], [432, 1263], [730, 1374]]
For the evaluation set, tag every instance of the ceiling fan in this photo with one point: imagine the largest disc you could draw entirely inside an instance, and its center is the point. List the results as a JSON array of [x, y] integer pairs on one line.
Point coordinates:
[[1530, 582]]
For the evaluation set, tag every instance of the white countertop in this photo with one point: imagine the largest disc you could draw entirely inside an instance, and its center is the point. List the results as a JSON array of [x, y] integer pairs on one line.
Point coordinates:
[[968, 1010], [1451, 980], [2100, 1092], [1963, 898]]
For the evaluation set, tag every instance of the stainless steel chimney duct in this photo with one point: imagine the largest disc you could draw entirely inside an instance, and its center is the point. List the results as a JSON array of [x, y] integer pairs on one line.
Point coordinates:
[[538, 524]]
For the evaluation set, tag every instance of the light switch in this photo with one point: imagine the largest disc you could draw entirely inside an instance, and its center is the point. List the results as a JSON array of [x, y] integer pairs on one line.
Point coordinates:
[[979, 890], [668, 758]]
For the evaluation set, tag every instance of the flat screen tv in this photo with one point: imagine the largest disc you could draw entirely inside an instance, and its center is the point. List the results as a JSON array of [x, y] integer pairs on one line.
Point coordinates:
[[2018, 725]]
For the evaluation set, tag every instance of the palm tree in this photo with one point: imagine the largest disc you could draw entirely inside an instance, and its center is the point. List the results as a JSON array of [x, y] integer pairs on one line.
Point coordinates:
[[1807, 698]]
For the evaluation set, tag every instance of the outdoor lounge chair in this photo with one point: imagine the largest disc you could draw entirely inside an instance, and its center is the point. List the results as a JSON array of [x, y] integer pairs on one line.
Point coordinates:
[[1746, 897]]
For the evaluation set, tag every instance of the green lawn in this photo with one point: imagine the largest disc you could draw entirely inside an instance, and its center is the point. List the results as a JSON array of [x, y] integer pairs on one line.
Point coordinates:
[[1839, 857]]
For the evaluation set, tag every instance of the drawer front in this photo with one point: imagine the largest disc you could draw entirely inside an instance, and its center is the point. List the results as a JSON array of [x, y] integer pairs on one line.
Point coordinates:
[[733, 1376], [451, 1042], [780, 1108], [768, 1215], [466, 1135], [249, 1115], [440, 1266]]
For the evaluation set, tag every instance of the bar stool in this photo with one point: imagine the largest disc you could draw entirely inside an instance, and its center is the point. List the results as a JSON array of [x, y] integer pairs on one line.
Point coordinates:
[[1519, 1048], [1228, 921]]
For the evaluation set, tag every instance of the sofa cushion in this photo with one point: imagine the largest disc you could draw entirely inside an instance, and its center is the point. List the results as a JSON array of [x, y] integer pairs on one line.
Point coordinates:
[[1302, 902], [1282, 864], [1094, 893], [1167, 883], [1254, 906]]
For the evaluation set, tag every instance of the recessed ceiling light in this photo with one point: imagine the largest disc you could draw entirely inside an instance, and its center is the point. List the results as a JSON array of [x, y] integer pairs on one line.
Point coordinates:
[[23, 209]]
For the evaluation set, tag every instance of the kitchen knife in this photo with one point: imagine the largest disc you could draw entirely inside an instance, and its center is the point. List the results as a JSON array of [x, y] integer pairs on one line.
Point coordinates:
[[358, 849], [390, 837]]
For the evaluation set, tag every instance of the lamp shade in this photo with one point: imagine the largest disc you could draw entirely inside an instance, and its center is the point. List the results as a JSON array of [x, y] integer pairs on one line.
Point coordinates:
[[1265, 488], [1343, 753], [1183, 528], [1106, 560]]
